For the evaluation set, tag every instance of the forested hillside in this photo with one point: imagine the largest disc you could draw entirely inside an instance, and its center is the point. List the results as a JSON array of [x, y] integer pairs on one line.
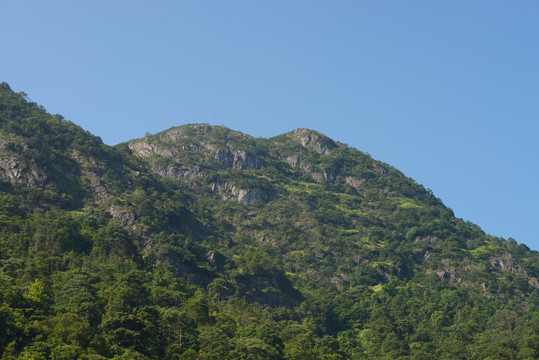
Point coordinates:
[[205, 243]]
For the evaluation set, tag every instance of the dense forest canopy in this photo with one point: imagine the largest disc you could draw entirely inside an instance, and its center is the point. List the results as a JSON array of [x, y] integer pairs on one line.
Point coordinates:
[[205, 243]]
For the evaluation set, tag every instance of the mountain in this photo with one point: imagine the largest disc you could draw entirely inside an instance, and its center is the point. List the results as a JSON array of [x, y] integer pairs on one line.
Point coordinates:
[[201, 242]]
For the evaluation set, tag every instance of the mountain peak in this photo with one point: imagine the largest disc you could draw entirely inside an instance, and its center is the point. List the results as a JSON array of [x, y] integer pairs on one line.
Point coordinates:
[[313, 139], [191, 133]]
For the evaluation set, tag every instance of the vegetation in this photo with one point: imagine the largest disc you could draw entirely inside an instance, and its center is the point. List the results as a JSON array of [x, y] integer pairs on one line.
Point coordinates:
[[204, 243]]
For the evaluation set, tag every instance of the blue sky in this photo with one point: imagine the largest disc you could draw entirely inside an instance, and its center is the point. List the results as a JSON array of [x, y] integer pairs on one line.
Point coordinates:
[[446, 91]]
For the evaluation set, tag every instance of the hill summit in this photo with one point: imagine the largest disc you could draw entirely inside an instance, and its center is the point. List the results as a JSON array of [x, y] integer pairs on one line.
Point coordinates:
[[201, 242]]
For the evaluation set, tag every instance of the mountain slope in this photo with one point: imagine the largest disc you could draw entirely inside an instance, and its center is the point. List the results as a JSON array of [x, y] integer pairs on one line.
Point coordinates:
[[203, 242]]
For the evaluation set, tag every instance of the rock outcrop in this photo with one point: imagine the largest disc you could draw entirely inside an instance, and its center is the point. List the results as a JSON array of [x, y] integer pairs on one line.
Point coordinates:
[[316, 141], [218, 159], [229, 191], [234, 159], [124, 217], [12, 170], [507, 262], [180, 172], [145, 149]]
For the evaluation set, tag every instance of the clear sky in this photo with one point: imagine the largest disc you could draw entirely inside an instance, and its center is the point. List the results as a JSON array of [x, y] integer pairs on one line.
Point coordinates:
[[446, 91]]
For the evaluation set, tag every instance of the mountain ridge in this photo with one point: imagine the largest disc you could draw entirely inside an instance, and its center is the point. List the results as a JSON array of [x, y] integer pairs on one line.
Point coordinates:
[[201, 242]]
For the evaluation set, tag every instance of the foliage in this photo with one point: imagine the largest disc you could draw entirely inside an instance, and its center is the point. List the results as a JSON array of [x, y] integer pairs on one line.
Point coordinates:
[[106, 255]]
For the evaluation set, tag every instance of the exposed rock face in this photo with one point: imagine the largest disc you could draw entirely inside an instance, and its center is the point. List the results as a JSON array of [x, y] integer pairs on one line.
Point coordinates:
[[294, 161], [326, 175], [220, 159], [214, 258], [441, 274], [12, 170], [100, 190], [180, 172], [232, 192], [317, 177], [352, 181], [508, 263], [380, 170], [144, 149], [235, 159], [318, 142], [429, 239], [329, 176], [126, 218], [92, 172], [174, 135], [249, 195]]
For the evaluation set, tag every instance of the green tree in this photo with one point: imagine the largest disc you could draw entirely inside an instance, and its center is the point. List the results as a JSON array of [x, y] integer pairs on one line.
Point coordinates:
[[214, 344]]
